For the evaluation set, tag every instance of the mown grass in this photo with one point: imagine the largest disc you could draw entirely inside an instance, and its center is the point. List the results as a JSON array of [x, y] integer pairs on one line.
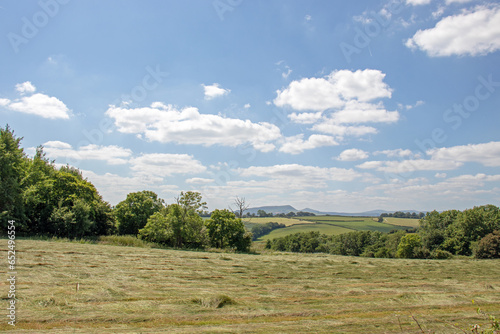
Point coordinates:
[[149, 290]]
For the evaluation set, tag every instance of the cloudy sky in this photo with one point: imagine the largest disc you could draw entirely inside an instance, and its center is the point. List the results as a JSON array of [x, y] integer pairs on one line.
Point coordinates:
[[332, 105]]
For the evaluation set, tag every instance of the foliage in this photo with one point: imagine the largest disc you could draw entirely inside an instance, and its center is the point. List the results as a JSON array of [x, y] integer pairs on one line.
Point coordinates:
[[408, 246], [132, 213], [227, 231], [175, 226], [12, 172], [44, 200], [263, 229], [488, 247]]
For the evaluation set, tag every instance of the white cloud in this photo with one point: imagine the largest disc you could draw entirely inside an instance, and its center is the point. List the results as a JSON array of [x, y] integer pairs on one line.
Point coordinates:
[[358, 112], [418, 2], [441, 175], [305, 117], [408, 166], [473, 33], [333, 91], [330, 126], [114, 188], [487, 154], [352, 154], [247, 106], [162, 165], [164, 123], [448, 2], [113, 155], [213, 91], [199, 180], [25, 87], [296, 144], [41, 105], [4, 102], [395, 153], [295, 176]]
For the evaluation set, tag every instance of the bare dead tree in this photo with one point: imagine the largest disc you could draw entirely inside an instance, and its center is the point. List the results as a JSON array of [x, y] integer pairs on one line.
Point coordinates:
[[241, 205]]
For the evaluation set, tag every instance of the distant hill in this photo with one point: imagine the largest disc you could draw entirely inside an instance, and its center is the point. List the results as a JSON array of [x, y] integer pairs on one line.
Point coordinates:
[[273, 209], [277, 209]]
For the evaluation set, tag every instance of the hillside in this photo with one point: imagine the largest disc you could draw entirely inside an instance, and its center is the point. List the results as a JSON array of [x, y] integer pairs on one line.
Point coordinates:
[[141, 290]]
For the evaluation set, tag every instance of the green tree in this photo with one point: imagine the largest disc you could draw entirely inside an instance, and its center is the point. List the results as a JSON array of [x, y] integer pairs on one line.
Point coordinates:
[[12, 171], [488, 247], [158, 229], [408, 245], [191, 201], [132, 214], [227, 231]]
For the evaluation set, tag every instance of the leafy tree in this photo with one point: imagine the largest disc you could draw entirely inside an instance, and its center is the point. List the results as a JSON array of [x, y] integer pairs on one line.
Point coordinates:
[[227, 231], [191, 201], [408, 246], [158, 229], [132, 213], [12, 171], [488, 247]]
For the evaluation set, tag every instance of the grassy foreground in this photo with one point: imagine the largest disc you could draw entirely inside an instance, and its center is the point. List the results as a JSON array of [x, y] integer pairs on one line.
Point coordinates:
[[141, 290]]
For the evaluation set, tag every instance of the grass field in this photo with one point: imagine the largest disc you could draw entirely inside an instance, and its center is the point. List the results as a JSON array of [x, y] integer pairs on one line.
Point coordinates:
[[307, 227], [141, 290], [354, 223], [402, 221]]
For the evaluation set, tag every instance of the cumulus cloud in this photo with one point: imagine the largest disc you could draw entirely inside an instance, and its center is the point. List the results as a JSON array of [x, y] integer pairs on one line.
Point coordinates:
[[25, 87], [113, 155], [352, 154], [164, 123], [36, 104], [212, 91], [473, 32], [339, 102], [333, 91], [296, 144], [41, 105], [162, 165], [487, 154]]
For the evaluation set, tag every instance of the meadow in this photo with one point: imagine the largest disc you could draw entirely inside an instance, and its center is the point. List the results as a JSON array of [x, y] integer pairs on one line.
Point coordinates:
[[68, 287]]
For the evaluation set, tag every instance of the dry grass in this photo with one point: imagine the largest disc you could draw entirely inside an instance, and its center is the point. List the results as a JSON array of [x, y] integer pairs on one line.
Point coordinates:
[[141, 290]]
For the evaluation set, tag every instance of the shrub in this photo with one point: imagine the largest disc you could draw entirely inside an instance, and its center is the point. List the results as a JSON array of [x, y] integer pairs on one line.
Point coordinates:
[[488, 247], [440, 254]]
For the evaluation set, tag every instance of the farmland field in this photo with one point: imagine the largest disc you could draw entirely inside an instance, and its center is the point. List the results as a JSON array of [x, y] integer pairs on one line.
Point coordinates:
[[141, 290], [354, 223], [402, 221], [307, 227]]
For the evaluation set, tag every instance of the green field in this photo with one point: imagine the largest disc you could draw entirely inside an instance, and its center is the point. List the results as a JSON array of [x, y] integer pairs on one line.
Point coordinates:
[[141, 290], [307, 227], [402, 221], [330, 225]]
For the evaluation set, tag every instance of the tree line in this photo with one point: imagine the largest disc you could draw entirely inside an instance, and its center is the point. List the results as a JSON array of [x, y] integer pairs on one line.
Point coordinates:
[[474, 231], [45, 200]]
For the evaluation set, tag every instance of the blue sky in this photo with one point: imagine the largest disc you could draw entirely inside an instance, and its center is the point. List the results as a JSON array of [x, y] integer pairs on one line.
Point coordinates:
[[331, 105]]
